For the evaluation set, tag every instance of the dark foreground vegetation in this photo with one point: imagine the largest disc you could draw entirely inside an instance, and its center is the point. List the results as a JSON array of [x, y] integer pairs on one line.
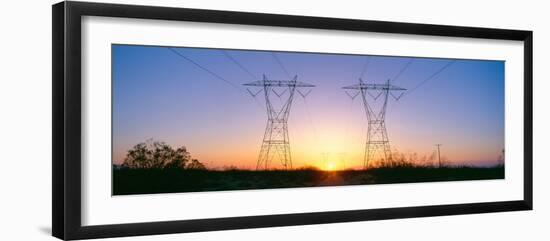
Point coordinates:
[[156, 167], [146, 181]]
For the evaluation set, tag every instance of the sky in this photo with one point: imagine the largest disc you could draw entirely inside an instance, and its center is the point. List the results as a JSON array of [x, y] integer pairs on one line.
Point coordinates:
[[161, 95]]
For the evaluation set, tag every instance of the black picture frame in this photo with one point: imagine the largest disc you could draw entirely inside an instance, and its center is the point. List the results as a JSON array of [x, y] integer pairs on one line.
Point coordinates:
[[66, 75]]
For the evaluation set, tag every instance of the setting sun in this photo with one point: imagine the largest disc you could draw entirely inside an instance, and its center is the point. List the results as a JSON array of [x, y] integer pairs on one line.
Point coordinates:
[[331, 166]]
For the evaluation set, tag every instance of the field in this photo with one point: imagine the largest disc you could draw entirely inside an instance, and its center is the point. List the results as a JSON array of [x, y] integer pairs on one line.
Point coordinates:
[[148, 181]]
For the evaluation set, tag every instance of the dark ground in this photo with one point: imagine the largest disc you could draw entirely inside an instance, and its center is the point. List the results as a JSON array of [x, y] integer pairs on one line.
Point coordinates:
[[148, 181]]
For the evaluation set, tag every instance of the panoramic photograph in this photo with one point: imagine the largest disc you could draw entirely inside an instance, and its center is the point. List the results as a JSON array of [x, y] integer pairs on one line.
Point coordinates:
[[188, 119]]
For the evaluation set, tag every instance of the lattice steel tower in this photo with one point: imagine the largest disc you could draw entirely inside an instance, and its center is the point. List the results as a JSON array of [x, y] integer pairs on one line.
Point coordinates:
[[377, 145], [276, 141]]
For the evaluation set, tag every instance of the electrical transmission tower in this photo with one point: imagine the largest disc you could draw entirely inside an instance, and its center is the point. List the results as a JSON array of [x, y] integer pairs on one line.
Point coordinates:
[[276, 143], [377, 144]]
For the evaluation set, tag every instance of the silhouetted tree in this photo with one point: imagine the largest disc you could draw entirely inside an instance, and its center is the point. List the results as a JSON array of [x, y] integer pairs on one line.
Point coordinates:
[[155, 154], [196, 165]]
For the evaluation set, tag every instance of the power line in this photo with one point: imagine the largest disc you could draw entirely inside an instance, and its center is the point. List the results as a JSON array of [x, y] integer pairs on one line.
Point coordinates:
[[431, 76], [348, 127], [365, 66], [205, 69], [215, 75], [281, 64], [238, 64], [305, 102], [402, 70], [310, 119], [245, 70]]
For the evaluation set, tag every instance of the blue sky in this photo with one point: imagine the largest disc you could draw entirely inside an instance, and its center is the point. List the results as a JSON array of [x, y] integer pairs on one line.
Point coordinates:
[[158, 94]]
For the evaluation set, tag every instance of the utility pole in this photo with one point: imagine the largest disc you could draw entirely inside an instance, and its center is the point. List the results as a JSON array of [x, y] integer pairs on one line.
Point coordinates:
[[438, 154]]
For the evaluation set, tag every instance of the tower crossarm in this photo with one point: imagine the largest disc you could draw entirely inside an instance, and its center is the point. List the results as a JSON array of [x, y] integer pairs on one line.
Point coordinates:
[[364, 86], [279, 83], [376, 121]]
